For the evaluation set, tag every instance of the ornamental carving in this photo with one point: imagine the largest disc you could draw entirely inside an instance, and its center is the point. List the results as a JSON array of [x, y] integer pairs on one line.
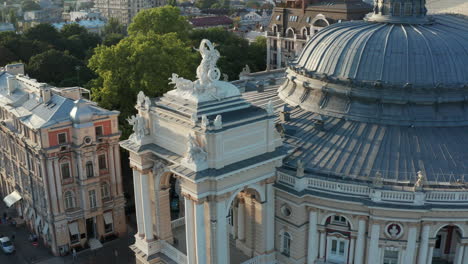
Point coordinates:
[[195, 153], [394, 230], [138, 124]]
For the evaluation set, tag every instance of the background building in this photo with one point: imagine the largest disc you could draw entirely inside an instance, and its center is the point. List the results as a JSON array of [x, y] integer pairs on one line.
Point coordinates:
[[60, 162], [124, 11], [293, 23]]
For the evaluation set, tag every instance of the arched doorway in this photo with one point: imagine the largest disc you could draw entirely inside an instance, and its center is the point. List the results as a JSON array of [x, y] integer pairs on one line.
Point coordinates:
[[243, 229], [447, 247]]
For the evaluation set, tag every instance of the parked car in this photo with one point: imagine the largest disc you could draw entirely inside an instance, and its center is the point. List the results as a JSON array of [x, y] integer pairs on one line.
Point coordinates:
[[6, 245]]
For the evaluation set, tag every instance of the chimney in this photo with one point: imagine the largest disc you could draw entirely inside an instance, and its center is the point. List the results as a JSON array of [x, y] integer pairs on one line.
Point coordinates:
[[11, 84], [285, 113], [46, 94]]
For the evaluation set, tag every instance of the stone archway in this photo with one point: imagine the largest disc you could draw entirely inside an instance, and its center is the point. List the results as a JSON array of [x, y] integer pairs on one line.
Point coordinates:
[[446, 246], [336, 243]]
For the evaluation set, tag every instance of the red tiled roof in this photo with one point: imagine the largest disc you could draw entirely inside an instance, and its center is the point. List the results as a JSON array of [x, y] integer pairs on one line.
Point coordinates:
[[211, 21]]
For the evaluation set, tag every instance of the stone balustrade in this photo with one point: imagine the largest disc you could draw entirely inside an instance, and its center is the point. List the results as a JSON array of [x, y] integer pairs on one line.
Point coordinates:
[[375, 194]]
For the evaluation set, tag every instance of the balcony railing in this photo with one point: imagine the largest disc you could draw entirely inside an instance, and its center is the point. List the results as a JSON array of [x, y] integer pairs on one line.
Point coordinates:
[[373, 193]]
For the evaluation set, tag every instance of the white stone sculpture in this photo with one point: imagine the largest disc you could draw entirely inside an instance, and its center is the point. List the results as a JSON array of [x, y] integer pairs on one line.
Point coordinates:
[[207, 87], [269, 108], [140, 99], [204, 121], [225, 77], [147, 103], [300, 168], [418, 186], [378, 180], [195, 153], [139, 127], [218, 123]]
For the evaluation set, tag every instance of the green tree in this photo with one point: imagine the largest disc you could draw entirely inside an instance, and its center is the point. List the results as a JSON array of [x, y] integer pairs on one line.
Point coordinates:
[[113, 26], [29, 5], [78, 40], [22, 47], [7, 56], [45, 33], [160, 20], [112, 39], [54, 67], [203, 4], [138, 62], [12, 18]]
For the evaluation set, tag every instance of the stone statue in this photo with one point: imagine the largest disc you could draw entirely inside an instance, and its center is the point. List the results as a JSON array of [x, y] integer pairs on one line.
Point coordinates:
[[269, 108], [225, 77], [195, 153], [378, 180], [300, 168], [139, 127], [204, 121], [207, 71], [140, 99], [419, 184], [218, 123], [207, 86], [147, 103]]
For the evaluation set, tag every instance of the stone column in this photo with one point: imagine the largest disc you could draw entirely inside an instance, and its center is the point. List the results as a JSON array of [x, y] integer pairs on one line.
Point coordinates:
[[241, 220], [322, 244], [189, 230], [411, 245], [278, 54], [351, 251], [423, 245], [312, 241], [146, 207], [430, 254], [222, 251], [138, 206], [465, 254], [359, 252], [270, 219], [200, 232], [459, 254], [268, 53], [373, 254]]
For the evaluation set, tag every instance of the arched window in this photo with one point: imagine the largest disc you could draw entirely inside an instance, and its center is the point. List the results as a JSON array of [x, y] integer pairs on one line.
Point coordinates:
[[105, 190], [286, 244], [69, 200], [89, 169]]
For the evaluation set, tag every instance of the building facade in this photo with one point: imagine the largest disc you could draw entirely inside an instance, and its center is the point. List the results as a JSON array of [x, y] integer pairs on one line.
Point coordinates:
[[125, 11], [356, 156], [60, 162], [293, 23]]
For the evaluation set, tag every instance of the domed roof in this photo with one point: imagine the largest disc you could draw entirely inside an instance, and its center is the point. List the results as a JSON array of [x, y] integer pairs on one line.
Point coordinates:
[[425, 55], [387, 73], [81, 113]]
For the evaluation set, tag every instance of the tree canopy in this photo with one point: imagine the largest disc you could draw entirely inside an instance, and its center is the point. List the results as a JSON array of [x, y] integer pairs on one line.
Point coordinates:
[[29, 5], [160, 20]]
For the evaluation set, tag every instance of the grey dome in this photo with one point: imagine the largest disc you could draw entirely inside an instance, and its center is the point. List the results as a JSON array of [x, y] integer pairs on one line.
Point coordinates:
[[81, 113], [387, 73], [423, 55]]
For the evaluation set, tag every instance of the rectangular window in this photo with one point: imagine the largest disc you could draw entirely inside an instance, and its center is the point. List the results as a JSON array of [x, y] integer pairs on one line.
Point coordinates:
[[108, 228], [102, 162], [92, 199], [62, 138], [99, 131], [390, 257], [74, 238], [65, 169]]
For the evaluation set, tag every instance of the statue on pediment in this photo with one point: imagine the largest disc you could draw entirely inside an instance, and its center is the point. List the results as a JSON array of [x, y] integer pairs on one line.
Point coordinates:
[[207, 86], [195, 152], [139, 127]]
